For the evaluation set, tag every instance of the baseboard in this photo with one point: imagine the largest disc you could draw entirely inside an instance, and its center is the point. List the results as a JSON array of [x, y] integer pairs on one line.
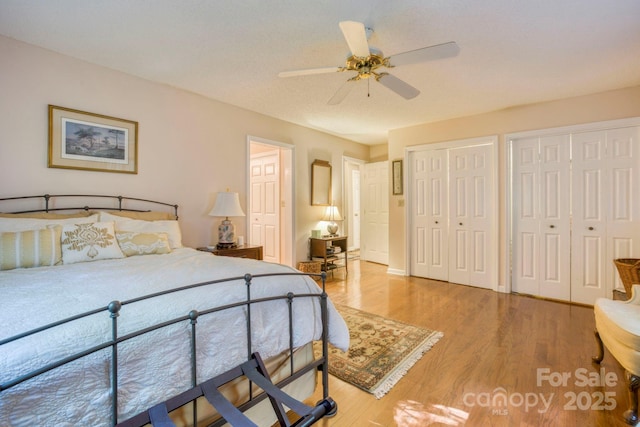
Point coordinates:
[[396, 272]]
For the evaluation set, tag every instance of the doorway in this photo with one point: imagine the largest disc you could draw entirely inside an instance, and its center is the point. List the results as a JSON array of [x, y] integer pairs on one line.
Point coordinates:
[[351, 173], [375, 221], [270, 221]]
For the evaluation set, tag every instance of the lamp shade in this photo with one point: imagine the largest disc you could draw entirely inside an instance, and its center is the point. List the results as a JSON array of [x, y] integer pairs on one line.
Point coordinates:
[[332, 214], [227, 204]]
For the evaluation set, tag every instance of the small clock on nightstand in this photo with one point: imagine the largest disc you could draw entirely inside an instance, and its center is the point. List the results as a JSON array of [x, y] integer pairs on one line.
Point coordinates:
[[240, 251]]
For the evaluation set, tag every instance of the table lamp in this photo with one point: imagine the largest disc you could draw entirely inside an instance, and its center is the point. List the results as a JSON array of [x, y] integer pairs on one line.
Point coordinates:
[[332, 215], [227, 204]]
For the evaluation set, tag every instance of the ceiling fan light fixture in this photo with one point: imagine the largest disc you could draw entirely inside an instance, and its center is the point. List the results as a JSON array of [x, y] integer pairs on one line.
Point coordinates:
[[365, 60]]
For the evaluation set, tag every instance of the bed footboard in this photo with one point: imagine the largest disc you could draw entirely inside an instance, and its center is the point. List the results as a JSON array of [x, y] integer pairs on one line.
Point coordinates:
[[190, 321]]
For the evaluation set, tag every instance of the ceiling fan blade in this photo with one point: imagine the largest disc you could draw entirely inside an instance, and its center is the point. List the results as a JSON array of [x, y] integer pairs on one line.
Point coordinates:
[[309, 71], [356, 37], [439, 51], [341, 93], [403, 89]]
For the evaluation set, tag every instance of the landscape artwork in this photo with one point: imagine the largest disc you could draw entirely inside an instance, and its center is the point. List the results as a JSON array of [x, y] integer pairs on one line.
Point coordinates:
[[89, 141], [92, 142]]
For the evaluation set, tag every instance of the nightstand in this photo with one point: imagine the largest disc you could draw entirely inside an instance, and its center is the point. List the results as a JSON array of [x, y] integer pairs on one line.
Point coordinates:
[[323, 250], [245, 251]]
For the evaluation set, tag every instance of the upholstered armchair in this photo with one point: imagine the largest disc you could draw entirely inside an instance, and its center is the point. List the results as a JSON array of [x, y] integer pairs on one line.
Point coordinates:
[[618, 329]]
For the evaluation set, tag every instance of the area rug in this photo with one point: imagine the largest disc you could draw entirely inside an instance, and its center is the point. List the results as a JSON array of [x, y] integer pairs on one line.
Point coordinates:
[[381, 350]]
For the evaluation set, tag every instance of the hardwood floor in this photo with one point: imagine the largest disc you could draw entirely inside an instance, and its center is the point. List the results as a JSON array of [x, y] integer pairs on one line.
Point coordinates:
[[493, 346]]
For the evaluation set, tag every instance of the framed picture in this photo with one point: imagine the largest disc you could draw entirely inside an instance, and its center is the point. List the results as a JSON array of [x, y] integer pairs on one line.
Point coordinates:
[[87, 141], [397, 177]]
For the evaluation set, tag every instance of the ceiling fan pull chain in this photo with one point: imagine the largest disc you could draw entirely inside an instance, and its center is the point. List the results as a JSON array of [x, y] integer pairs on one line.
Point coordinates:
[[368, 87]]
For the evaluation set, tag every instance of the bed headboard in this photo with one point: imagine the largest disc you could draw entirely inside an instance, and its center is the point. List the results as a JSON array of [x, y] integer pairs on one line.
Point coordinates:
[[78, 202]]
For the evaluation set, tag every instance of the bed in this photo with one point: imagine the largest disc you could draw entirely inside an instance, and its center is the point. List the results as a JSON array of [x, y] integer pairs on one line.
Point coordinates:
[[135, 327]]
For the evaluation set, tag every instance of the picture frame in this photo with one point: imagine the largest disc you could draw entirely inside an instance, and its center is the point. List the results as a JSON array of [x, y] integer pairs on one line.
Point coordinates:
[[397, 177], [93, 142]]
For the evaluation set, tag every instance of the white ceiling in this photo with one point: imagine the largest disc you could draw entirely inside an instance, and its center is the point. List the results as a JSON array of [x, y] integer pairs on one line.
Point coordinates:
[[512, 52]]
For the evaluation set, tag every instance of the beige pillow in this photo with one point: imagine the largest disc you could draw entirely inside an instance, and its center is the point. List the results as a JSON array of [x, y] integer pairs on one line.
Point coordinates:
[[132, 243], [32, 248], [46, 215], [89, 242], [145, 216], [26, 224]]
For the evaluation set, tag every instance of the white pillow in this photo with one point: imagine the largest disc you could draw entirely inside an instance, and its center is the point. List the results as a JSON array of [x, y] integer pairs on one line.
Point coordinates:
[[25, 224], [171, 227], [89, 242]]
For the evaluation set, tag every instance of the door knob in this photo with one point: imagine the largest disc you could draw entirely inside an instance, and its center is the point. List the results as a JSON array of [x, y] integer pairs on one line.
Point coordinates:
[[436, 222], [590, 228], [552, 226], [460, 223]]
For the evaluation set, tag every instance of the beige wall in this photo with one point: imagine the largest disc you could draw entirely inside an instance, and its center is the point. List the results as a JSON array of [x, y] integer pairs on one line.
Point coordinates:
[[379, 153], [618, 104], [190, 147]]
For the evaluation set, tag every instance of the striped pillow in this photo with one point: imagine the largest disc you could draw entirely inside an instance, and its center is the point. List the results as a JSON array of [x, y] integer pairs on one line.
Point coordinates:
[[31, 248]]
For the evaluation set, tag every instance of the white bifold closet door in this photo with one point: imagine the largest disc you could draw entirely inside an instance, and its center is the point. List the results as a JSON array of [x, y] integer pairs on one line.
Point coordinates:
[[606, 209], [452, 212], [574, 212], [472, 248], [430, 237], [541, 244]]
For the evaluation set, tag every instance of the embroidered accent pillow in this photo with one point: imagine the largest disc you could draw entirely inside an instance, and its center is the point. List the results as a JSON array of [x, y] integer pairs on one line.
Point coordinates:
[[89, 242], [132, 243], [32, 248], [172, 228]]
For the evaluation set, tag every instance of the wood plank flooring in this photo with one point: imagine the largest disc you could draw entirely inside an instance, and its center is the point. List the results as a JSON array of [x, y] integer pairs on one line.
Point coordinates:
[[493, 347]]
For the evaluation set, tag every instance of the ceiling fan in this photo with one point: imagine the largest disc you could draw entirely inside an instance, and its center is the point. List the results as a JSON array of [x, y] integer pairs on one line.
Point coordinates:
[[366, 60]]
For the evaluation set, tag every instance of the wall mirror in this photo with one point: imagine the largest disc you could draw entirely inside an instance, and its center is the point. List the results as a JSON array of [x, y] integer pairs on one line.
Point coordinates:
[[320, 183]]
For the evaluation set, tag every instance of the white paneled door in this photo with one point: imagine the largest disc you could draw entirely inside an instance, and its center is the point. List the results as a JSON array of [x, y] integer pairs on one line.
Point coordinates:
[[574, 212], [264, 217], [472, 247], [541, 242], [354, 233], [375, 230], [606, 175], [429, 244]]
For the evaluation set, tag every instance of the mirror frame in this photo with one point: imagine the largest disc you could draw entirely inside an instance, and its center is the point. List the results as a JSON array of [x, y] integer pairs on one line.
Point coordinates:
[[320, 183]]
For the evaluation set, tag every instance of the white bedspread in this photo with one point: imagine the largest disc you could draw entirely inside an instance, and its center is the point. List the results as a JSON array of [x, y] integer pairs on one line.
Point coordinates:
[[152, 367]]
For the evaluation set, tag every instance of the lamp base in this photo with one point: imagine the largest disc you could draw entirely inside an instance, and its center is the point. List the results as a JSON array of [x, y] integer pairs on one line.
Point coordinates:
[[226, 235], [332, 228]]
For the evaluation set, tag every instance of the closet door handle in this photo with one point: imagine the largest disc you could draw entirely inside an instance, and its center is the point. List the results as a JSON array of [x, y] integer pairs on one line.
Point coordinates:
[[552, 226], [460, 223], [591, 228], [436, 222]]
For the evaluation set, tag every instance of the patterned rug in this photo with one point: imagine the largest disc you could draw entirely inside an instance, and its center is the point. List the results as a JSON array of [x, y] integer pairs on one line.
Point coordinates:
[[381, 350]]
